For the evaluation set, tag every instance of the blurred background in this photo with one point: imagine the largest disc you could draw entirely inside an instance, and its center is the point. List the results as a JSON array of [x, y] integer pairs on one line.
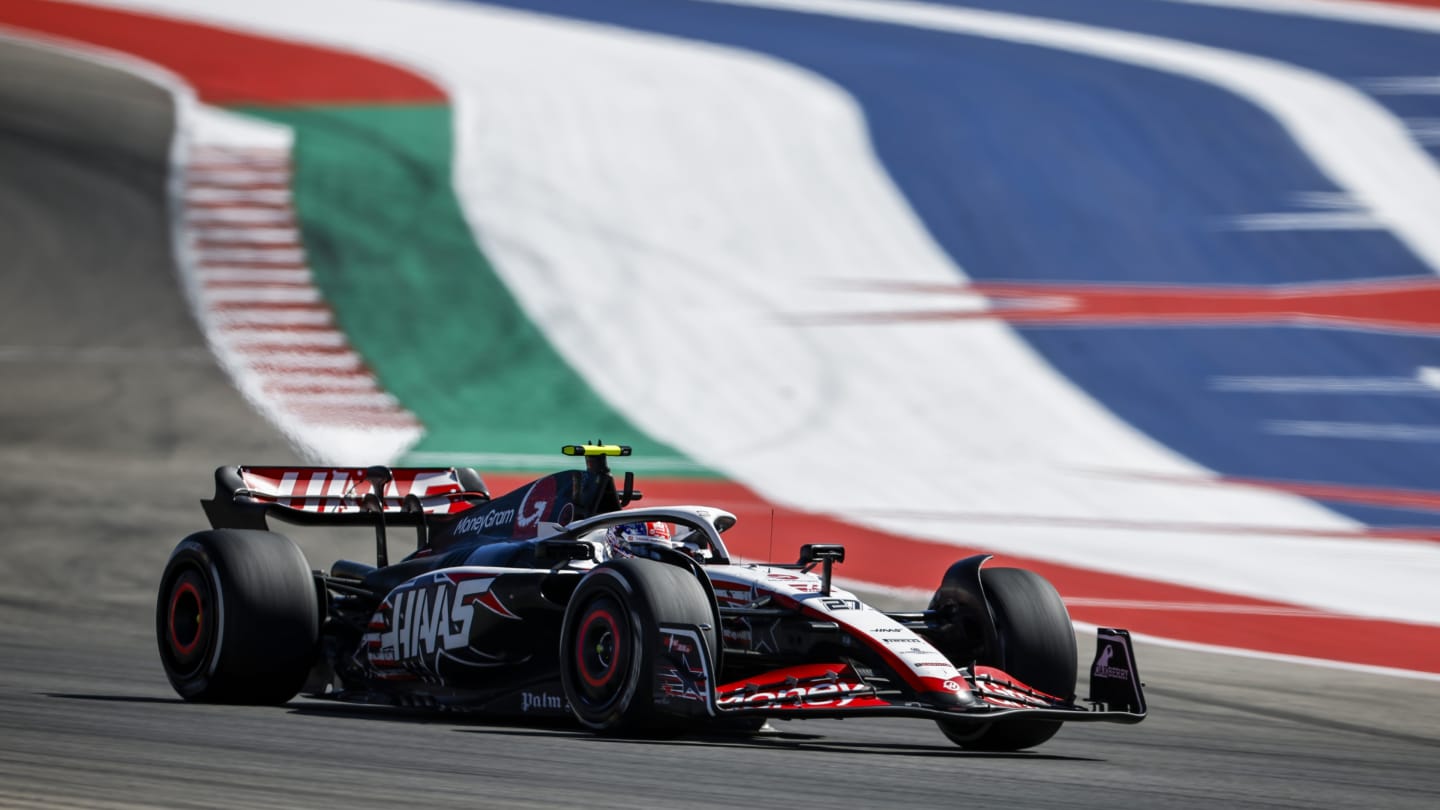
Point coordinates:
[[1139, 294]]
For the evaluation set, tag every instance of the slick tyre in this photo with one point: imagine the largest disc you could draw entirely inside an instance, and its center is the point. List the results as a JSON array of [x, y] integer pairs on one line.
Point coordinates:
[[237, 617], [1036, 645], [611, 635]]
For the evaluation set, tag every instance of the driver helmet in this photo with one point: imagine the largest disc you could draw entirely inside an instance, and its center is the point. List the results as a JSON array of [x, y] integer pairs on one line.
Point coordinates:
[[618, 539]]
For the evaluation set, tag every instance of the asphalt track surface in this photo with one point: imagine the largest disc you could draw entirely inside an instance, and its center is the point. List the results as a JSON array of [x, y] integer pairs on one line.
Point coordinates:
[[112, 414]]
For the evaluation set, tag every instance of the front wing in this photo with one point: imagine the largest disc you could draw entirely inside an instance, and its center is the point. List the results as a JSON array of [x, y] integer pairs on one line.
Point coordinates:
[[684, 685]]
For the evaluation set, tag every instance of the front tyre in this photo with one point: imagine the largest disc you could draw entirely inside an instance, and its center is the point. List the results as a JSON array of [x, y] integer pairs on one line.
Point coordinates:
[[1036, 646], [611, 635], [237, 618]]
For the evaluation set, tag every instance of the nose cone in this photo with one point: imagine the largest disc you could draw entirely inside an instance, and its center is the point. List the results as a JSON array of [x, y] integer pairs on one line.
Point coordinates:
[[953, 693]]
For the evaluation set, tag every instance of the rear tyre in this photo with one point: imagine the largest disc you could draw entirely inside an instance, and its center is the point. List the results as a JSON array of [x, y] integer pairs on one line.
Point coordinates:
[[1036, 646], [610, 638], [237, 618]]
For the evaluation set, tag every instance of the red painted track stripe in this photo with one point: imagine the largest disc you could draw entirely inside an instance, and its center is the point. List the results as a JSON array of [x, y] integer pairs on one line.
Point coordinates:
[[238, 244], [283, 388], [229, 163], [204, 262], [241, 331], [252, 351], [1424, 500], [236, 284], [342, 417], [199, 185], [1420, 534], [237, 204], [268, 366], [297, 350], [229, 67], [243, 306], [1419, 499]]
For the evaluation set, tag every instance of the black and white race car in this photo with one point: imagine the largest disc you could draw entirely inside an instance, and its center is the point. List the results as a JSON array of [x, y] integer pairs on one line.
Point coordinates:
[[556, 599]]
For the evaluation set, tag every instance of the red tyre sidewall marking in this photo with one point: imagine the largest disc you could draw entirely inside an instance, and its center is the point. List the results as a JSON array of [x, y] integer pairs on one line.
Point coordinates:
[[580, 642], [185, 650]]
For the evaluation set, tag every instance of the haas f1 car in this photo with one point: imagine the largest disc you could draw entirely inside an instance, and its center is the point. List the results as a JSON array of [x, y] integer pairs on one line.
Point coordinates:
[[556, 599]]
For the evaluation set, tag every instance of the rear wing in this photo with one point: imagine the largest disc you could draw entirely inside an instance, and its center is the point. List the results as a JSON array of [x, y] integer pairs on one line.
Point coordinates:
[[338, 496], [381, 497]]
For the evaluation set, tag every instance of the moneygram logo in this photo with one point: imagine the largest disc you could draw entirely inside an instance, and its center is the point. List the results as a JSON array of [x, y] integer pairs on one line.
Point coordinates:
[[537, 502], [489, 520]]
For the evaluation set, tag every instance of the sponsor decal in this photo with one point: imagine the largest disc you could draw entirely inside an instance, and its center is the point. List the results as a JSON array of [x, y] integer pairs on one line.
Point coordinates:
[[1103, 669], [887, 630], [328, 489], [490, 520], [542, 701], [951, 686], [674, 685], [837, 694], [933, 664], [800, 583], [540, 497], [429, 617], [992, 689], [687, 677]]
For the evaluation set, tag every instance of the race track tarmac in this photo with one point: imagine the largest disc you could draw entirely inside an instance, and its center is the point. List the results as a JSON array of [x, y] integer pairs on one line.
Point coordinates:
[[113, 415]]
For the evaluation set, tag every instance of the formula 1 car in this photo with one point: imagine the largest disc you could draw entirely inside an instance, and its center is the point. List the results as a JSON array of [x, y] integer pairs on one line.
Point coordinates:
[[524, 605]]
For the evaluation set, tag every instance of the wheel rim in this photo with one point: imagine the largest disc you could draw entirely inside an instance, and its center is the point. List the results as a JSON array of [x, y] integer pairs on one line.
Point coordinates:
[[187, 622], [600, 652]]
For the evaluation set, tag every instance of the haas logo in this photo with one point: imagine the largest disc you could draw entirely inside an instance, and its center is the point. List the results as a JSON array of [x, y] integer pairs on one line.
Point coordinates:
[[1104, 669], [537, 502]]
